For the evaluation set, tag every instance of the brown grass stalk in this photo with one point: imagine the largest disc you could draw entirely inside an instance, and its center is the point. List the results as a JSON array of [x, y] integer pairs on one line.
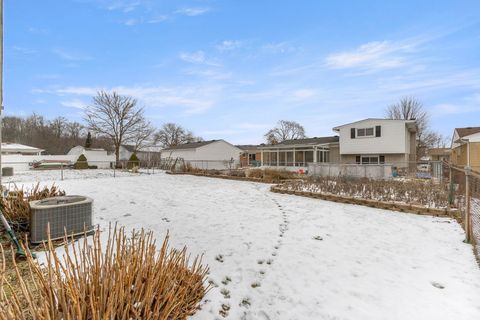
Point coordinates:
[[126, 279], [15, 205]]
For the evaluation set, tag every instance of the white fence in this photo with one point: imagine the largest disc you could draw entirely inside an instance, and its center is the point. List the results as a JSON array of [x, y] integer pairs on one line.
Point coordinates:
[[24, 162], [372, 171]]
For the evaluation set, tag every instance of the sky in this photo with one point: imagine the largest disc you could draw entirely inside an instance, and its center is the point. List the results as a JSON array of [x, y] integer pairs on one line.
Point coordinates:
[[230, 70]]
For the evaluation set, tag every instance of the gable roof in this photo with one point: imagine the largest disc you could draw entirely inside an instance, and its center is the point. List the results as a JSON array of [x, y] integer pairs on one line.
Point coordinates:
[[129, 148], [7, 146], [302, 142], [191, 145], [337, 128], [463, 132], [250, 146]]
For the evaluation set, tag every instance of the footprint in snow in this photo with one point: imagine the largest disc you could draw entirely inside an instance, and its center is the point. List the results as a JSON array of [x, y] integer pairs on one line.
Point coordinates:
[[224, 310], [133, 202], [438, 285], [317, 238], [219, 258], [261, 261], [127, 215], [245, 303], [226, 293], [226, 280], [166, 219]]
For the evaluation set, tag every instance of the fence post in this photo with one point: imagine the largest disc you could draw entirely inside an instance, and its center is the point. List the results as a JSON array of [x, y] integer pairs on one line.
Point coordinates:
[[467, 204], [114, 168], [61, 169], [451, 198]]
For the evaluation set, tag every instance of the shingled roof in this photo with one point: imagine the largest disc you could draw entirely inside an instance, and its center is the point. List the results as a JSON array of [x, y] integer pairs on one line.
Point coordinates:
[[190, 145], [463, 132], [307, 141]]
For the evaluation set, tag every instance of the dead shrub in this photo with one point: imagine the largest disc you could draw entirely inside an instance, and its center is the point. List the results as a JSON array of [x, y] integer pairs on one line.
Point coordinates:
[[15, 205], [127, 279], [255, 173], [237, 173], [278, 175], [416, 192]]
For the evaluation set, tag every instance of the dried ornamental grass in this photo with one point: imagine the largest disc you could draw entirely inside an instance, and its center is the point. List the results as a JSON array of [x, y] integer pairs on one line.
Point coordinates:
[[15, 205], [127, 279]]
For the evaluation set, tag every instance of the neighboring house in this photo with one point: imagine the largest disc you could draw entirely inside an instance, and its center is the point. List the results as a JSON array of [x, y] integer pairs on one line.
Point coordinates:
[[95, 156], [251, 155], [368, 141], [146, 154], [16, 148], [213, 154], [466, 147], [376, 141], [299, 152], [439, 154]]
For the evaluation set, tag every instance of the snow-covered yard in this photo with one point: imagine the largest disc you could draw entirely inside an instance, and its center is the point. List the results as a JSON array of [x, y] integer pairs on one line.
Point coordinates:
[[274, 256]]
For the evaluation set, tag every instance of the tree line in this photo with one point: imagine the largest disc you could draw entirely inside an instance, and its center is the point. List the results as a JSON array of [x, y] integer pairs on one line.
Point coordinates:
[[111, 121], [114, 120]]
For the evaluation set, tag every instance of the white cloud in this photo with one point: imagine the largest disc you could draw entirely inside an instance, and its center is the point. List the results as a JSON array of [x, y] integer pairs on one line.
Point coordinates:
[[70, 56], [192, 11], [304, 94], [24, 50], [374, 55], [228, 45], [158, 19], [194, 99], [281, 47], [124, 6], [38, 31], [198, 57], [77, 104], [131, 22]]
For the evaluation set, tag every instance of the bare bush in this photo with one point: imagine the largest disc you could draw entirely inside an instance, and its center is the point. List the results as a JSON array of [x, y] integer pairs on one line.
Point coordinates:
[[127, 279], [412, 191], [271, 174], [15, 205]]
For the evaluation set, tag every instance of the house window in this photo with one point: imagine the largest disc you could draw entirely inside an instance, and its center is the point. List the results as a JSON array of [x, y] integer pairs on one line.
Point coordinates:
[[323, 156], [369, 159], [365, 132], [252, 156]]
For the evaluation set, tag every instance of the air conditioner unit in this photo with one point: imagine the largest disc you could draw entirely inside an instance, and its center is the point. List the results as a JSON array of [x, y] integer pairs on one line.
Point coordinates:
[[70, 214]]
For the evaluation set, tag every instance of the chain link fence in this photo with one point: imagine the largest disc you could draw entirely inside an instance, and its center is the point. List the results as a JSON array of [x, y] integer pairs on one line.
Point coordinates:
[[13, 172], [465, 195]]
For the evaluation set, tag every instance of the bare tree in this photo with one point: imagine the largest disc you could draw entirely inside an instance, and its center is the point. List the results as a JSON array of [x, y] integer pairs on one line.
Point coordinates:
[[116, 117], [171, 134], [285, 130], [142, 136], [58, 126], [410, 108], [74, 130]]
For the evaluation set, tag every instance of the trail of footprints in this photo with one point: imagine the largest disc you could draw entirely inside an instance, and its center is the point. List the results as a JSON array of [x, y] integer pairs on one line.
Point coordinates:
[[263, 263]]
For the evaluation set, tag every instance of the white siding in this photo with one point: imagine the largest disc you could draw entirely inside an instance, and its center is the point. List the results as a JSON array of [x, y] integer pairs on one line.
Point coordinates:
[[394, 138], [214, 155]]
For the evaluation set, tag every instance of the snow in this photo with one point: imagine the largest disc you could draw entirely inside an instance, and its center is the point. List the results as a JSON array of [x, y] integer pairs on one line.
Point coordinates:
[[306, 258]]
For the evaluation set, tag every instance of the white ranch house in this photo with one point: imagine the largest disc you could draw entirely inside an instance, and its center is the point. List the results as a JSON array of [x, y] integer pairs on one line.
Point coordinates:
[[213, 154]]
